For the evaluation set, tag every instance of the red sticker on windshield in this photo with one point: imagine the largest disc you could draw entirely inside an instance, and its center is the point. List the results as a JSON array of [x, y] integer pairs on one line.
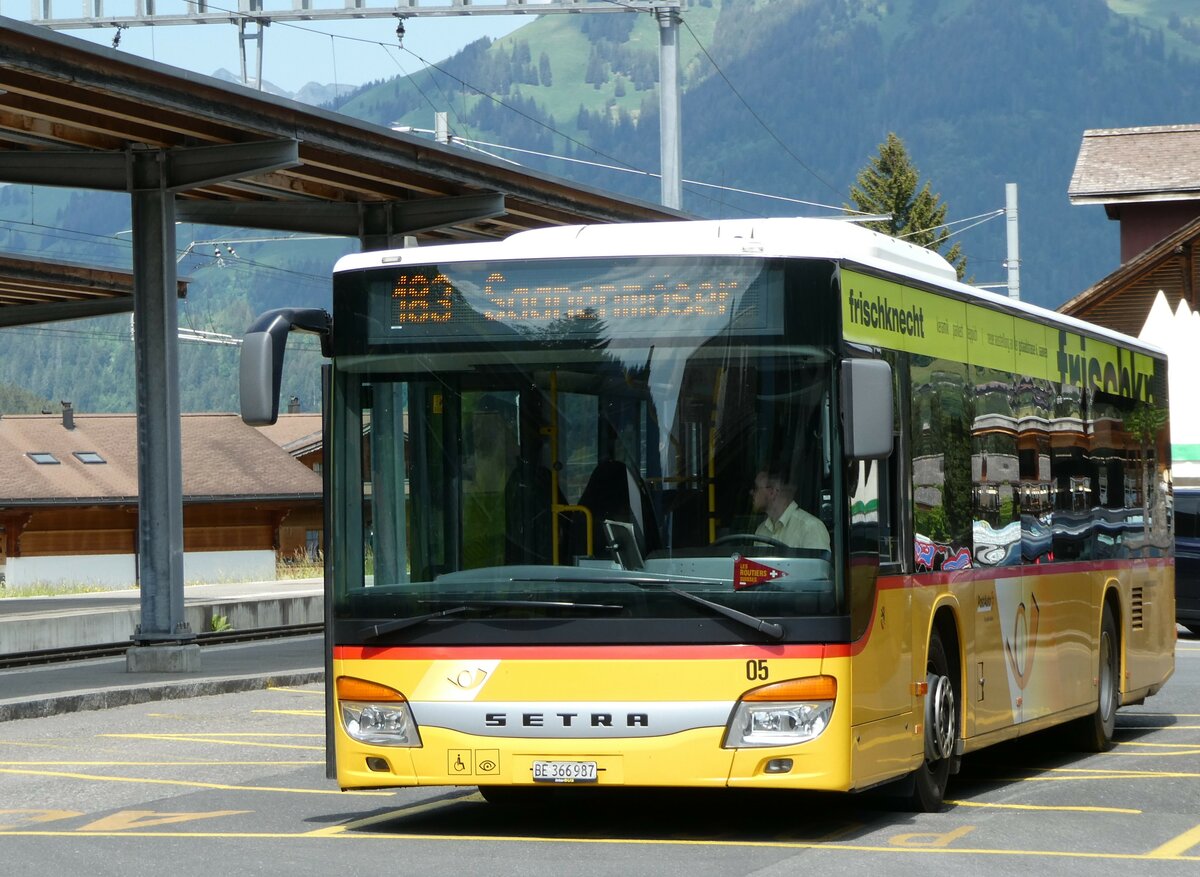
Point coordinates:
[[749, 573]]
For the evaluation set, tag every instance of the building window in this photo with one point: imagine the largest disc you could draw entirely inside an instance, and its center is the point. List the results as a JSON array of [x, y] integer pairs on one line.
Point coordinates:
[[89, 457], [43, 458]]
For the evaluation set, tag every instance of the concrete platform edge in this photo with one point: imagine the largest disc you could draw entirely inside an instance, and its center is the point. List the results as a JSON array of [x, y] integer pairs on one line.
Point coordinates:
[[147, 692]]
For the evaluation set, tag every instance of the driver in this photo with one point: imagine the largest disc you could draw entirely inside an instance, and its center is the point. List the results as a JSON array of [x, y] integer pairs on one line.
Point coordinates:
[[774, 495]]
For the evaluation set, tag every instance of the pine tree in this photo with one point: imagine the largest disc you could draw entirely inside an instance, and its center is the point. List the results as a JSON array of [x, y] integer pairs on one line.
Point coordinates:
[[888, 185]]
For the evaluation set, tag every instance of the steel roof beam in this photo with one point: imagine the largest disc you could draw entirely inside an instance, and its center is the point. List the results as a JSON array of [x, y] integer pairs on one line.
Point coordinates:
[[378, 224], [42, 312], [138, 169]]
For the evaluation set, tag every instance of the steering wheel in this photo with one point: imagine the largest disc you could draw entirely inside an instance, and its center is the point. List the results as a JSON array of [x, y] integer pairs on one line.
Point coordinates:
[[749, 537]]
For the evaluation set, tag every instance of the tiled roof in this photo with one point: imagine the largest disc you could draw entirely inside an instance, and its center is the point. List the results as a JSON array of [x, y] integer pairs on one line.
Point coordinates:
[[223, 458], [294, 432], [1136, 164]]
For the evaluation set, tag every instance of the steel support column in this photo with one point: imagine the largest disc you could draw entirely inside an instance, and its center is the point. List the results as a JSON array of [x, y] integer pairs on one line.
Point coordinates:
[[152, 177], [670, 146], [160, 460]]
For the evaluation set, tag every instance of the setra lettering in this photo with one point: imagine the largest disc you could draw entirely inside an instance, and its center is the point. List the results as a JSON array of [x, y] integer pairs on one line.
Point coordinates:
[[568, 720]]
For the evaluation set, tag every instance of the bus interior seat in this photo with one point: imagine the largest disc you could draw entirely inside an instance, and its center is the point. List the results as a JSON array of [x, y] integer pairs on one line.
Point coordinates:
[[614, 492]]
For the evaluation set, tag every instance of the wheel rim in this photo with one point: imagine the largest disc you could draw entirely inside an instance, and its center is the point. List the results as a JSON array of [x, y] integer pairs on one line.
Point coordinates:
[[1108, 677], [939, 719]]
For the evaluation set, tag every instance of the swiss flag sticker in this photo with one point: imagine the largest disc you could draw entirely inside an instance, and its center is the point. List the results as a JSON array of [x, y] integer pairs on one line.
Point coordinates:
[[749, 573]]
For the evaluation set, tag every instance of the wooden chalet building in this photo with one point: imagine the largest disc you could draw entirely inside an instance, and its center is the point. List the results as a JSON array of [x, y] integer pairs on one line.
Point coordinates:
[[68, 499], [1148, 180]]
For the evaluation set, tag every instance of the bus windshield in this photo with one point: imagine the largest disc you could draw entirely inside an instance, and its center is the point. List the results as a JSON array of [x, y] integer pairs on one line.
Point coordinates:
[[585, 467]]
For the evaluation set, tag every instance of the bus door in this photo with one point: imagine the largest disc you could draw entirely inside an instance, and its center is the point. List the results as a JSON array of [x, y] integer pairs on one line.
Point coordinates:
[[604, 443]]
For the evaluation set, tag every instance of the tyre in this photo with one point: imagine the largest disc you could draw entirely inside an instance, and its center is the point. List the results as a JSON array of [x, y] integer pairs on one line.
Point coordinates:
[[1094, 733], [941, 732]]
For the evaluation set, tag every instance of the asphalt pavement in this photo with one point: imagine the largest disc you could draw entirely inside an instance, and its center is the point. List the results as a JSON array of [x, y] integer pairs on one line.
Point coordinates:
[[50, 689]]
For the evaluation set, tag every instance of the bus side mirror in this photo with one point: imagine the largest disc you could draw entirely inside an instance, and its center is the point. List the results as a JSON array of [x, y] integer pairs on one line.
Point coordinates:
[[867, 408], [261, 365]]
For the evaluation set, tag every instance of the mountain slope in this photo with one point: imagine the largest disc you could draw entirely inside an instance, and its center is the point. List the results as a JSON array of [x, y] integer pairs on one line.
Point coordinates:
[[983, 93]]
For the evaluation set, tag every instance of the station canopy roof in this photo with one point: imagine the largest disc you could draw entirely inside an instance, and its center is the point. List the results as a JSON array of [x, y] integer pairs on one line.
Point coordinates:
[[61, 93]]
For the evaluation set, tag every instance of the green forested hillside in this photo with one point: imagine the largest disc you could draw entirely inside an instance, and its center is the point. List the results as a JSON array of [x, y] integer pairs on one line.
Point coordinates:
[[785, 97], [983, 93], [90, 362]]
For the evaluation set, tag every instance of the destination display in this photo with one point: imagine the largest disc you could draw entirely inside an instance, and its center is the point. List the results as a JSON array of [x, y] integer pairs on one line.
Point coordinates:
[[631, 298], [887, 314]]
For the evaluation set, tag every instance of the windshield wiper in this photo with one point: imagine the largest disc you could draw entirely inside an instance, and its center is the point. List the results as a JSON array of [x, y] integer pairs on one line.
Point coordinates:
[[770, 628], [375, 631]]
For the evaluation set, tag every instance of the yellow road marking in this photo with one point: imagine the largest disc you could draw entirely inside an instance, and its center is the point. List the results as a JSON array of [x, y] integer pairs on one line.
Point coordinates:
[[1159, 745], [1109, 775], [1177, 846], [127, 819], [930, 840], [29, 816], [473, 797], [1053, 807], [1132, 773], [318, 692], [460, 838], [271, 763], [241, 742], [186, 783], [199, 734]]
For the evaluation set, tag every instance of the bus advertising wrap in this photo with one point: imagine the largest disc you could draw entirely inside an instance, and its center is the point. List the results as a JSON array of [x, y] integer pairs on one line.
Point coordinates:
[[887, 314]]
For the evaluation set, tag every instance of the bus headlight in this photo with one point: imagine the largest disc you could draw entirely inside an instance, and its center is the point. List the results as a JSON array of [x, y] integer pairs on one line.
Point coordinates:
[[373, 713], [783, 713]]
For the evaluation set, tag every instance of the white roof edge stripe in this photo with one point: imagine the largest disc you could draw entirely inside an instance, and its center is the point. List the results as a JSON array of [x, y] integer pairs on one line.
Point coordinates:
[[759, 238]]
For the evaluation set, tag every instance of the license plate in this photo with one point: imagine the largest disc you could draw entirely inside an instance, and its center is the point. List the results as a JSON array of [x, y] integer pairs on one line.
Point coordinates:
[[564, 772]]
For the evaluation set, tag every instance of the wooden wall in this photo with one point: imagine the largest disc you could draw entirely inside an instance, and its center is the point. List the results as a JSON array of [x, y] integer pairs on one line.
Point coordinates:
[[113, 529]]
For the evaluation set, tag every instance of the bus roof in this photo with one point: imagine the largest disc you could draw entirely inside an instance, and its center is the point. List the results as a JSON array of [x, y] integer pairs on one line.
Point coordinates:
[[771, 237]]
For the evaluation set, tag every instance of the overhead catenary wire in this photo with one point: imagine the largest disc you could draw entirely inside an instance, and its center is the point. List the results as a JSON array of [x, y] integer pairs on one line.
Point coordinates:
[[621, 165], [732, 189], [977, 220], [429, 65], [483, 93], [753, 113]]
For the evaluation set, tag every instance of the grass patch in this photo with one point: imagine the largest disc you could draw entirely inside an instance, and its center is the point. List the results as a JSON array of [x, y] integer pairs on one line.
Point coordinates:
[[300, 566], [41, 589]]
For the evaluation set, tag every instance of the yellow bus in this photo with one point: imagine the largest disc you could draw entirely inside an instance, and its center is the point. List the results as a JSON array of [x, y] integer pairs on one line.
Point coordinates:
[[769, 503]]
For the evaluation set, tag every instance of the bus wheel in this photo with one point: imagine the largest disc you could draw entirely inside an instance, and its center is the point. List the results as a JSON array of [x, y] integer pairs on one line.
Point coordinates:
[[941, 731], [1094, 733]]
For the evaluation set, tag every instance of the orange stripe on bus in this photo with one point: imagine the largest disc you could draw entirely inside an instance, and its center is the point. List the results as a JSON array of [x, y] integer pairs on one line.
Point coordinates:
[[740, 651]]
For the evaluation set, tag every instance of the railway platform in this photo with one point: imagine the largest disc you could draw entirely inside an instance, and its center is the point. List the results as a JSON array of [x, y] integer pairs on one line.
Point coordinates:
[[29, 624]]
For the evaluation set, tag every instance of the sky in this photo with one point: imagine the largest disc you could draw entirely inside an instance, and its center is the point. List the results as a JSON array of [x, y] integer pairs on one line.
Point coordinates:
[[345, 52]]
